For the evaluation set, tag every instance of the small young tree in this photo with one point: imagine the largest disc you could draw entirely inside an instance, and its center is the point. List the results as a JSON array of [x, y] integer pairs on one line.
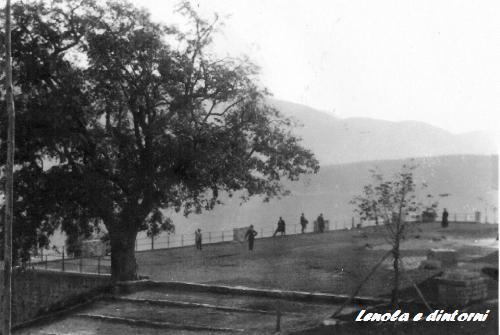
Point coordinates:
[[391, 201]]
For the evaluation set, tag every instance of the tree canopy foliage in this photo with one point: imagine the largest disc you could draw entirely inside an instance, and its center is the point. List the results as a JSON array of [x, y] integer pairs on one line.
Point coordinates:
[[119, 116]]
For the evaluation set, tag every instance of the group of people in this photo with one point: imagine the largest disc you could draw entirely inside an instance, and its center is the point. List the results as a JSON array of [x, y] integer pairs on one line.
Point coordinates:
[[281, 228], [251, 233], [303, 223]]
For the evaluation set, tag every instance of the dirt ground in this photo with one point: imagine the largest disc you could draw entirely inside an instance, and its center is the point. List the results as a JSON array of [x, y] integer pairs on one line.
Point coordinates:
[[333, 262]]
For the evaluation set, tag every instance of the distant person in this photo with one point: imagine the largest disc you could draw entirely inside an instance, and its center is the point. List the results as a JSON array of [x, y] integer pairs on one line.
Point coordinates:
[[303, 222], [280, 228], [250, 236], [197, 238], [444, 219], [321, 223]]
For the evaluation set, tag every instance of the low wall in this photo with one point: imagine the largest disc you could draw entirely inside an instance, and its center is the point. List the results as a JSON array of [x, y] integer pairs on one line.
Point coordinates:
[[39, 292]]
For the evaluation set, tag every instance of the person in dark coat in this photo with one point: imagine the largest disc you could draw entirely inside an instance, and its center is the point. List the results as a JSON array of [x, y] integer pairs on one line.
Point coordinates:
[[197, 238], [250, 236], [303, 222], [281, 227], [321, 223], [444, 219]]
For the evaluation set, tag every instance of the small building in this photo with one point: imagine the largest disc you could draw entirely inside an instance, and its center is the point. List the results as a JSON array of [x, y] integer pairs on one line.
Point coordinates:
[[94, 248]]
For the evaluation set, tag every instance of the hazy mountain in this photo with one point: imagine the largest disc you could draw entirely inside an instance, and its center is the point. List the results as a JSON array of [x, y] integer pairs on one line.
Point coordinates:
[[336, 140]]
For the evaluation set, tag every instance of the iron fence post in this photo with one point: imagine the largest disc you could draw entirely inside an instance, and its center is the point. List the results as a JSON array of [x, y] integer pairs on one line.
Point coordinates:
[[278, 320]]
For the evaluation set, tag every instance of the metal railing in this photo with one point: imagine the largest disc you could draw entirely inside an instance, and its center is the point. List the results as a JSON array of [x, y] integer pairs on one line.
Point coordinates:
[[57, 259], [175, 241]]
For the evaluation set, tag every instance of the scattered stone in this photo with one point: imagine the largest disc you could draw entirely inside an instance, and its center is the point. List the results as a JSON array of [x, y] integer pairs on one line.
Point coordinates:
[[447, 257], [361, 235], [491, 272], [431, 264], [330, 322], [459, 287]]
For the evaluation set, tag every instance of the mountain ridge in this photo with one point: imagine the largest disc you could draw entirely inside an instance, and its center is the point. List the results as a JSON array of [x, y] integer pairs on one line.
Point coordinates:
[[343, 140]]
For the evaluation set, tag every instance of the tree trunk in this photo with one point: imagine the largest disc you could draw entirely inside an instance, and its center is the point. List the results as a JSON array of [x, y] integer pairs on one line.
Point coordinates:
[[9, 182], [123, 263], [395, 289]]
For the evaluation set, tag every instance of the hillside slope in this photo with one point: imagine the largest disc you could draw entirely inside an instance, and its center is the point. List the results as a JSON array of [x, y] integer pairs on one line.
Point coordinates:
[[470, 181]]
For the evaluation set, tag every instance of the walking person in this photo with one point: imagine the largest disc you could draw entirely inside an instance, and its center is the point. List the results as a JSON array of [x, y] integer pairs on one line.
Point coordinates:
[[280, 228], [197, 238], [250, 236], [303, 222], [444, 219], [321, 223]]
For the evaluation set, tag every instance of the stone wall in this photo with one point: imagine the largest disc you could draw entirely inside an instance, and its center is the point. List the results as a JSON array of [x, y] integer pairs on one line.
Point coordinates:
[[39, 292]]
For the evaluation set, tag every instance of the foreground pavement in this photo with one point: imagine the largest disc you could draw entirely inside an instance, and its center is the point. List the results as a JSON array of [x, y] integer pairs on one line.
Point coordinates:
[[160, 310]]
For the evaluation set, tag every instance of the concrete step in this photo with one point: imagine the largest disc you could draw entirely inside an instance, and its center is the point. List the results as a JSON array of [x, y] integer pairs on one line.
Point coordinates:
[[76, 325], [155, 315], [263, 304]]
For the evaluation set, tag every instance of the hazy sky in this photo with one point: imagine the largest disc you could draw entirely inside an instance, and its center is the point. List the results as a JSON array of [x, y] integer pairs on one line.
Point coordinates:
[[431, 61]]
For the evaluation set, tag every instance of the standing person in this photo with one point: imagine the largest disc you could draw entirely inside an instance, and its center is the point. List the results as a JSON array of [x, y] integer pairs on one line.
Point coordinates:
[[444, 219], [197, 238], [303, 222], [281, 227], [321, 223], [250, 236]]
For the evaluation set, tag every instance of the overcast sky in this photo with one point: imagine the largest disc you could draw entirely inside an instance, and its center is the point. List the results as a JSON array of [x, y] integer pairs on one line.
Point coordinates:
[[431, 61]]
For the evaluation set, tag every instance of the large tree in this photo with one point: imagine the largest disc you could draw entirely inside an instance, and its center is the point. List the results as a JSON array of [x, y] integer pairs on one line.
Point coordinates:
[[135, 116]]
